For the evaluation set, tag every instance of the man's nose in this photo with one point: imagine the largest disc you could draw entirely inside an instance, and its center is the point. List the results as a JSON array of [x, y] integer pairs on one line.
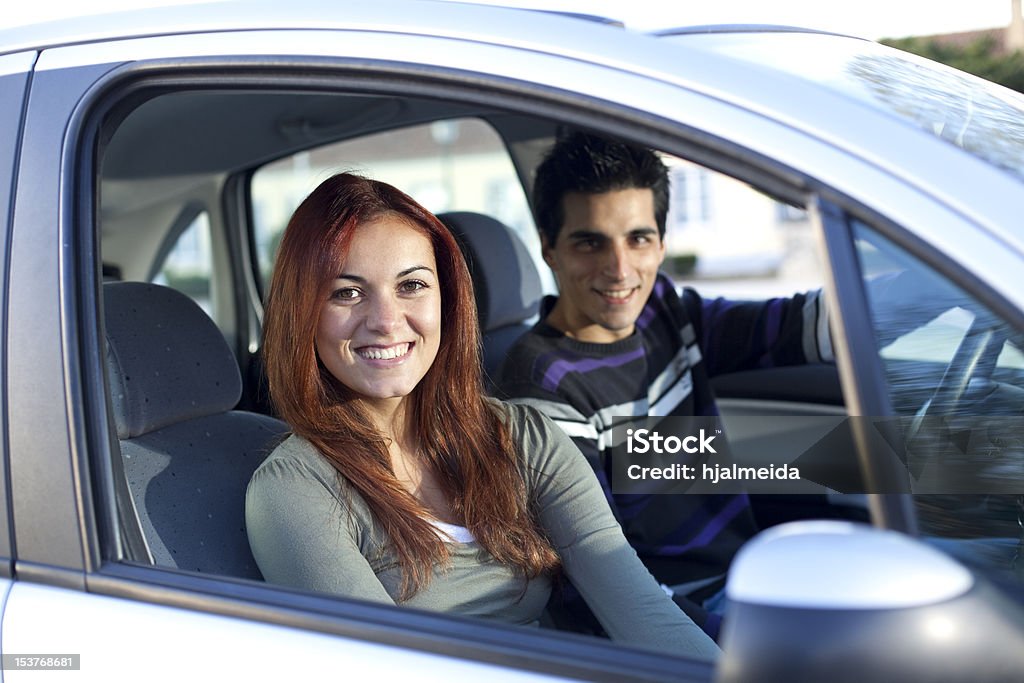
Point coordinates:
[[616, 265]]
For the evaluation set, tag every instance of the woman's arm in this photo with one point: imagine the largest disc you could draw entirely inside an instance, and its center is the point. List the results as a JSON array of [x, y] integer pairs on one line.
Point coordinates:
[[623, 595], [301, 533]]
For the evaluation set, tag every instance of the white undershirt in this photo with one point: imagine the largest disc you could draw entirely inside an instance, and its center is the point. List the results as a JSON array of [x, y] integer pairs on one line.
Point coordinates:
[[459, 534]]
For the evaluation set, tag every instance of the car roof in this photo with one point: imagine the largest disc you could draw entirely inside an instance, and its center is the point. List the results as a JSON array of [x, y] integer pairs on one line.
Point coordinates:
[[431, 17]]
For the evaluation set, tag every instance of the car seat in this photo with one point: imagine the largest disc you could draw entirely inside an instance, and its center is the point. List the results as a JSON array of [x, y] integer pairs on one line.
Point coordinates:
[[505, 279], [187, 456]]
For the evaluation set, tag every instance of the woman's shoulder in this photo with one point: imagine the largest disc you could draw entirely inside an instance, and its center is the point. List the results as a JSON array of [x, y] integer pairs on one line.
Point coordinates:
[[519, 417], [537, 437], [295, 458]]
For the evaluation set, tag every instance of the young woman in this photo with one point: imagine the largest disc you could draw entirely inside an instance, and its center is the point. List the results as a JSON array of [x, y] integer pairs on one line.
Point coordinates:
[[402, 482]]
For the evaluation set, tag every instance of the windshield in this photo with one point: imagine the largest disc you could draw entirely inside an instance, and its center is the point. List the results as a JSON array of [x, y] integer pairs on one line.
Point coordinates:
[[980, 117]]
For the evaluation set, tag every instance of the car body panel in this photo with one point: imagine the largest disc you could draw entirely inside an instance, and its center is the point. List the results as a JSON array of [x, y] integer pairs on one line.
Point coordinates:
[[169, 644]]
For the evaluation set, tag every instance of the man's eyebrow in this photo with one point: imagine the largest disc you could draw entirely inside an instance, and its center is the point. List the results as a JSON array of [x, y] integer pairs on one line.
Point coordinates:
[[586, 234], [401, 274], [593, 234]]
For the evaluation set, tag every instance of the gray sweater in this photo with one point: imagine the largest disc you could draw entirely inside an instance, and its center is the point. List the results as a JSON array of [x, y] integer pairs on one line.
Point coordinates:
[[310, 529]]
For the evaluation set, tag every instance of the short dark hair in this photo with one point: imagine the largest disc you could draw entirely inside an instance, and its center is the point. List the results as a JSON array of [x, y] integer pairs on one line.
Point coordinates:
[[591, 164]]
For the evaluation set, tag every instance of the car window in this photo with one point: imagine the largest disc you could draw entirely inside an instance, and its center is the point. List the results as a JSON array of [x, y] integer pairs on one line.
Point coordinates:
[[726, 238], [188, 264], [446, 165], [953, 369], [971, 113]]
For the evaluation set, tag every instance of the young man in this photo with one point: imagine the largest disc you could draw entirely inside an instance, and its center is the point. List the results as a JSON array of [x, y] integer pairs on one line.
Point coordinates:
[[620, 342]]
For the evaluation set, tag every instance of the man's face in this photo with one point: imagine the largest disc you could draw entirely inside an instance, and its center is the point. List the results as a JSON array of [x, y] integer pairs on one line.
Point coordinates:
[[606, 259]]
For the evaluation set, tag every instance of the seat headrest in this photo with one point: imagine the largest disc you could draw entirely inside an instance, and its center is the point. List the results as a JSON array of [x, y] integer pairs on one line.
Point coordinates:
[[167, 362], [508, 287]]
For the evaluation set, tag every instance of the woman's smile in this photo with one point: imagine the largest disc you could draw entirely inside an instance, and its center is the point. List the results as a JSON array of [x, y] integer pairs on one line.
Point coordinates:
[[389, 355]]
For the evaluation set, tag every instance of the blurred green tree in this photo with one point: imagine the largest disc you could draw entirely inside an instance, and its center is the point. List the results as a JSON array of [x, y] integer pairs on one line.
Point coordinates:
[[982, 57]]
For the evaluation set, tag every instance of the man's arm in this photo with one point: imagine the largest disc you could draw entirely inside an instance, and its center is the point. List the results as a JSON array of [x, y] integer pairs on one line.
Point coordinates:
[[745, 335]]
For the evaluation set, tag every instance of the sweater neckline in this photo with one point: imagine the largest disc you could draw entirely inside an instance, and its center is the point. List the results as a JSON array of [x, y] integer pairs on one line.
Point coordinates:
[[591, 348]]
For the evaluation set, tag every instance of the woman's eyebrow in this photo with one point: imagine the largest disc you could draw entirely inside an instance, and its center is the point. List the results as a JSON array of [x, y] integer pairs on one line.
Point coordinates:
[[407, 271]]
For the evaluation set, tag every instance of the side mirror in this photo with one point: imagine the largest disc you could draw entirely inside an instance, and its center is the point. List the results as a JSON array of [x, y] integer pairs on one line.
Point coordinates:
[[836, 601]]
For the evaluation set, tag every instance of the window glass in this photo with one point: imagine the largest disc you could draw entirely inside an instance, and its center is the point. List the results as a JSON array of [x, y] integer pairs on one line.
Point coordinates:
[[954, 370], [976, 115], [188, 265], [448, 165], [725, 238]]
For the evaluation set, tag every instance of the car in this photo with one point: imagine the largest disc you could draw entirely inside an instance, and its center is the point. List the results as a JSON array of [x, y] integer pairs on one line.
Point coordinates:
[[150, 159]]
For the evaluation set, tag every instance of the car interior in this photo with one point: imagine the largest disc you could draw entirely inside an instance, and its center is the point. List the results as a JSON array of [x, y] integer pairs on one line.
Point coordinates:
[[195, 186]]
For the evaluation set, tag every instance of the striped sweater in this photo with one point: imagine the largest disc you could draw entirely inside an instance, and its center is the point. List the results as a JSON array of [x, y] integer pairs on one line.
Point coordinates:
[[664, 369]]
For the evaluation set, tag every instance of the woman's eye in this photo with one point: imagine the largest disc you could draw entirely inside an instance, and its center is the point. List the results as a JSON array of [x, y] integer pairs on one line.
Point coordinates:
[[345, 294], [412, 286]]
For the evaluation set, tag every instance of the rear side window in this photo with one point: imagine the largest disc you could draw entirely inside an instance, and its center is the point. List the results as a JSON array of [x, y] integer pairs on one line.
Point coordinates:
[[447, 165], [188, 264]]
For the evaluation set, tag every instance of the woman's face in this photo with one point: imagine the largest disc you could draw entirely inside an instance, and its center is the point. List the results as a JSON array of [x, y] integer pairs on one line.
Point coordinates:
[[380, 328]]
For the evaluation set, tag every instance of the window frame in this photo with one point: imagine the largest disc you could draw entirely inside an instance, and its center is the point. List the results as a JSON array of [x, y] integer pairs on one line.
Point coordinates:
[[15, 81]]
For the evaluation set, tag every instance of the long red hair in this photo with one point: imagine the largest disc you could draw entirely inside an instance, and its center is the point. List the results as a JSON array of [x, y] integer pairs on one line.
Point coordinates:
[[462, 436]]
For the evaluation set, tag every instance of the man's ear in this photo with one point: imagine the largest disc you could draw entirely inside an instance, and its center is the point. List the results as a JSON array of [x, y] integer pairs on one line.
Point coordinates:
[[661, 241], [547, 251]]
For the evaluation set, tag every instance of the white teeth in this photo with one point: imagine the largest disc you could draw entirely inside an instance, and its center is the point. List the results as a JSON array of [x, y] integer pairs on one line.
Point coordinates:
[[390, 352], [617, 293]]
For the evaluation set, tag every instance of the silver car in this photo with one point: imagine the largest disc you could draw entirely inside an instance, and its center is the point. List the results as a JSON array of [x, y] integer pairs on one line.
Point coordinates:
[[168, 146]]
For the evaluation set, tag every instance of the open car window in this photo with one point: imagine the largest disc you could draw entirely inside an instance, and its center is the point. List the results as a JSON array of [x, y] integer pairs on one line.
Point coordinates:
[[725, 237], [446, 165]]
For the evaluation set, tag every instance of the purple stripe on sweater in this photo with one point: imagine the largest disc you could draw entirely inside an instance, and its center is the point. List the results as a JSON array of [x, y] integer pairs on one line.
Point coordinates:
[[646, 316], [650, 311], [559, 369], [712, 529]]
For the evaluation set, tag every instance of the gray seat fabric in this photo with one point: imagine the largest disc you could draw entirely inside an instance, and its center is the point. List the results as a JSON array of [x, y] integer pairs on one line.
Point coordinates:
[[187, 455], [508, 287]]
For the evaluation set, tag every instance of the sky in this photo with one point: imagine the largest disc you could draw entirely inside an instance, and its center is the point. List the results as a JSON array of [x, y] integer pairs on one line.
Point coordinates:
[[867, 18]]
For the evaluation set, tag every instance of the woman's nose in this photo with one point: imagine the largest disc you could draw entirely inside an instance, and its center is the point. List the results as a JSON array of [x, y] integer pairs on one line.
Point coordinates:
[[383, 315]]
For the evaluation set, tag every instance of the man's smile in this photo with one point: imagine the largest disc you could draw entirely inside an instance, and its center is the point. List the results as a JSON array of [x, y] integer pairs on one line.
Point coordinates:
[[619, 295]]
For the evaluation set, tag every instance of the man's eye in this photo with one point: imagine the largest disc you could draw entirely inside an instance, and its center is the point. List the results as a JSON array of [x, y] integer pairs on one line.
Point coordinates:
[[587, 245]]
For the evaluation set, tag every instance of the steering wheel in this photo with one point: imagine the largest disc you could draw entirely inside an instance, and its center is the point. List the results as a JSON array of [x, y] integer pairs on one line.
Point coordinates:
[[975, 357]]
